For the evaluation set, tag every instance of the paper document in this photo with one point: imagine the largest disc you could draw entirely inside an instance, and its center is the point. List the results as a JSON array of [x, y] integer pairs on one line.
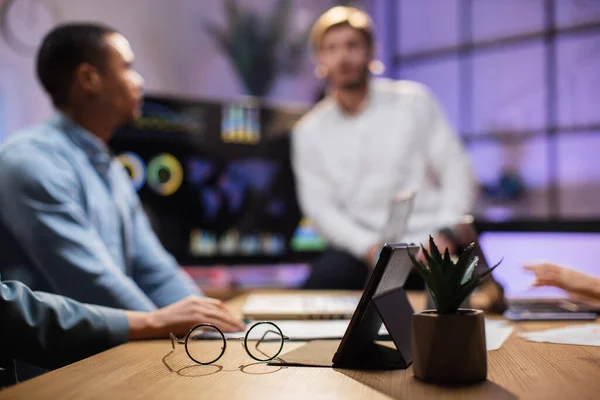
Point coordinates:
[[583, 335], [296, 330], [496, 333], [313, 329]]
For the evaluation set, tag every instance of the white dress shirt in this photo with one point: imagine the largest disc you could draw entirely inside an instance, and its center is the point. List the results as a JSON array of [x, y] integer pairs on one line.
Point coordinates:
[[349, 167]]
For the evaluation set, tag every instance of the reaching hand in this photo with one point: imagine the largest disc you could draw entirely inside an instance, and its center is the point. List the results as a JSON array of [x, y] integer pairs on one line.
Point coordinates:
[[576, 283]]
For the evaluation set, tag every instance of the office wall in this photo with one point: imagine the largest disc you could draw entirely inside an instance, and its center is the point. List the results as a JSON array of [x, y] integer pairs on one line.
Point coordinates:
[[519, 80], [173, 52], [153, 38]]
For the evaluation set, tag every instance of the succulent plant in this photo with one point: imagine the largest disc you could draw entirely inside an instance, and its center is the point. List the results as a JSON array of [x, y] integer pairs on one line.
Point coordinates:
[[449, 282]]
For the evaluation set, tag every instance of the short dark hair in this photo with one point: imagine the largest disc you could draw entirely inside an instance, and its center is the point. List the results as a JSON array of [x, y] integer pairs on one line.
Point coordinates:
[[65, 48]]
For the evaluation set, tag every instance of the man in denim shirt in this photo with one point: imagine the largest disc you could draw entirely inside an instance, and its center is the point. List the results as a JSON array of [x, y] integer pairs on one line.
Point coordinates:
[[70, 221]]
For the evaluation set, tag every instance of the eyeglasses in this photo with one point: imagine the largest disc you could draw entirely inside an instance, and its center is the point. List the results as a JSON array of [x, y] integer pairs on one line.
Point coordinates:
[[199, 342]]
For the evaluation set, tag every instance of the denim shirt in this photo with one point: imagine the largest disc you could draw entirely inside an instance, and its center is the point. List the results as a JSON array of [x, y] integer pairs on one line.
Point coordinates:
[[52, 331], [71, 223]]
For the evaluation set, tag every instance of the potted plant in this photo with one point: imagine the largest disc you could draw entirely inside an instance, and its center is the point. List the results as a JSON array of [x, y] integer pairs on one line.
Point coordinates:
[[260, 48], [448, 343]]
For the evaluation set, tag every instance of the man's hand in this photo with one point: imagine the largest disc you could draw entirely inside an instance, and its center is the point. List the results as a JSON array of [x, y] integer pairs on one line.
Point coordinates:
[[576, 283], [442, 243], [370, 258], [180, 317]]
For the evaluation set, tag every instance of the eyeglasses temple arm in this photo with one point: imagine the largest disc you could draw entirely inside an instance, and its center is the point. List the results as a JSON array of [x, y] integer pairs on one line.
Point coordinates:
[[175, 339], [265, 334]]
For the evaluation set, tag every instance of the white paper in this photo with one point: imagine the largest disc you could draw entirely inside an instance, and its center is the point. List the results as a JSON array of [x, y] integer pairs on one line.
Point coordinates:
[[582, 335], [294, 330], [496, 333], [311, 329]]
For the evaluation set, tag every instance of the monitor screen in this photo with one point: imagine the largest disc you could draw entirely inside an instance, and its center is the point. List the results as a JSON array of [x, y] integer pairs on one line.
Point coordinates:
[[216, 181], [576, 250]]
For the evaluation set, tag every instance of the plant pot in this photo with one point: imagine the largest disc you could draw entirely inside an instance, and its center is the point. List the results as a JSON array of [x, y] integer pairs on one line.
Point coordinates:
[[449, 349]]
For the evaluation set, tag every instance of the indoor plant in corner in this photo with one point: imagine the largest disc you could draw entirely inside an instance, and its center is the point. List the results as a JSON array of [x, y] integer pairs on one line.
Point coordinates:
[[448, 343], [260, 47]]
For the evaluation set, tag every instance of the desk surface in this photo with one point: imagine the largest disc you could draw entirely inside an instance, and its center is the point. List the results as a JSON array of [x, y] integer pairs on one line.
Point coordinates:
[[149, 369]]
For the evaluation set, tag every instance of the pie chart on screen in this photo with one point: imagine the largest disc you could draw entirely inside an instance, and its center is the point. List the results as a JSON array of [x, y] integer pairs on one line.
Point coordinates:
[[134, 165], [165, 174]]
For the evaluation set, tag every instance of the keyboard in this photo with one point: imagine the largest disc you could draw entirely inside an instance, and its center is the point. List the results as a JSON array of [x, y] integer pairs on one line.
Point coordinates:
[[329, 304], [300, 306], [548, 311]]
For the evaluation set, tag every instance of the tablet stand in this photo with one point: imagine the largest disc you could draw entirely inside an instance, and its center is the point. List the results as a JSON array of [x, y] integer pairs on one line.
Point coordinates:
[[394, 310]]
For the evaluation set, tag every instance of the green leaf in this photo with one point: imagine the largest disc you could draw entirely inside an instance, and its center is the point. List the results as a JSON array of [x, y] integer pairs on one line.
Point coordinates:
[[447, 265], [449, 284], [426, 275], [467, 288], [437, 275], [421, 268], [462, 294], [435, 252], [487, 272], [460, 268], [470, 269], [466, 254]]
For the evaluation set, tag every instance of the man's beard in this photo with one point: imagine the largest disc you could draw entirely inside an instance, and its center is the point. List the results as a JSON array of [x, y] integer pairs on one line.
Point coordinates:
[[359, 83]]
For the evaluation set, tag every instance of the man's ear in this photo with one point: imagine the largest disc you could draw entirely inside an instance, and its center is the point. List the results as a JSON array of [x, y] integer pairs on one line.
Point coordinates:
[[87, 78]]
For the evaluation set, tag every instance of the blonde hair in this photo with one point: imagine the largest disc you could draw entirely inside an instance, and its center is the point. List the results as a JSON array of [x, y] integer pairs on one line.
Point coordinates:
[[338, 16]]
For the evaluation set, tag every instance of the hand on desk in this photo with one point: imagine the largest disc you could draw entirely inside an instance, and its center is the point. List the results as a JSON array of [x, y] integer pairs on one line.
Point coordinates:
[[576, 283], [180, 317]]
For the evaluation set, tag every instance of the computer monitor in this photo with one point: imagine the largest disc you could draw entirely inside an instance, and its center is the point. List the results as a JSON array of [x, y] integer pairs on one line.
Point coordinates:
[[572, 245], [216, 181]]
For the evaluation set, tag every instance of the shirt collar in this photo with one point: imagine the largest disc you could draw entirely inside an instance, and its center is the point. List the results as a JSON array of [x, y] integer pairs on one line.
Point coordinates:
[[364, 105], [96, 150]]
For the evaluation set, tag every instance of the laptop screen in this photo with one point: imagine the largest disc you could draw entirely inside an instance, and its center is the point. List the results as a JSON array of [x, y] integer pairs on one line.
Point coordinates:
[[578, 251]]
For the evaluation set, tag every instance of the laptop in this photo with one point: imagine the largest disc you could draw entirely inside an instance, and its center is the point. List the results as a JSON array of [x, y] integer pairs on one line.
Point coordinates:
[[518, 248], [294, 306]]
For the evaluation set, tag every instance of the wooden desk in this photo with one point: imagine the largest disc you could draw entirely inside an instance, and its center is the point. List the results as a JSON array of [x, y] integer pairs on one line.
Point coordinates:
[[149, 369]]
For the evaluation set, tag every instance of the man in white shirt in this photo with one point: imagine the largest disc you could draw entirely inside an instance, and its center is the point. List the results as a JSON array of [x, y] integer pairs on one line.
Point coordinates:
[[367, 141]]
